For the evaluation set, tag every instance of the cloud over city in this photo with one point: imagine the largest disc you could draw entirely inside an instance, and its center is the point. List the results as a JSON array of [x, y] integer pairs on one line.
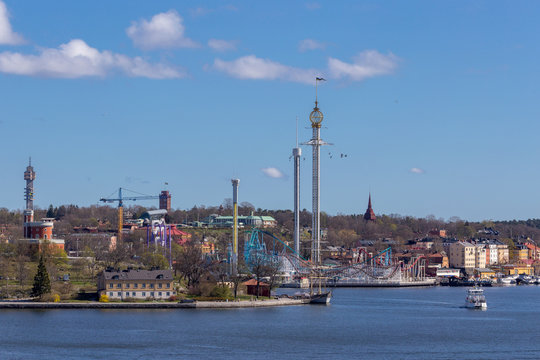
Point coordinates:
[[310, 44], [77, 59], [416, 170], [273, 172], [366, 64], [221, 45], [252, 67], [163, 31], [7, 36]]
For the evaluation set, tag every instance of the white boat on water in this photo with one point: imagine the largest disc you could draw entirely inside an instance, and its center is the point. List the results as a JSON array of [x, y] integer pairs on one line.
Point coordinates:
[[475, 299], [506, 281]]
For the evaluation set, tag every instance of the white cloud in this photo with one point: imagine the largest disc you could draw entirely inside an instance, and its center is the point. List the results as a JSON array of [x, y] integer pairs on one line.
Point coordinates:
[[221, 45], [313, 5], [416, 170], [7, 36], [368, 63], [252, 67], [76, 59], [202, 11], [163, 31], [310, 44], [273, 172]]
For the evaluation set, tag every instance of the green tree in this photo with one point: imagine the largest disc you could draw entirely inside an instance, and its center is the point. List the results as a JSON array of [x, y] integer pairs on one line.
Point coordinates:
[[42, 284], [155, 261], [50, 212]]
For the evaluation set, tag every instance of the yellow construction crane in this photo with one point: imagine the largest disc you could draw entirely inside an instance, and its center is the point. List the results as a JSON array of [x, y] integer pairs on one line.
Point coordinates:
[[121, 200]]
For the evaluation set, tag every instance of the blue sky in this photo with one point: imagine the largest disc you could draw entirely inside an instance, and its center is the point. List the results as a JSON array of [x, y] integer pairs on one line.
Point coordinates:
[[435, 104]]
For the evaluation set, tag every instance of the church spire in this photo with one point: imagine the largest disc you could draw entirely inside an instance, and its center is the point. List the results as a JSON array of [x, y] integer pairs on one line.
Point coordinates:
[[370, 214]]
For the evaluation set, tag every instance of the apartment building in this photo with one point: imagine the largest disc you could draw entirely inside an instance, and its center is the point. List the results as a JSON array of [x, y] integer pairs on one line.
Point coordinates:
[[462, 255], [480, 256]]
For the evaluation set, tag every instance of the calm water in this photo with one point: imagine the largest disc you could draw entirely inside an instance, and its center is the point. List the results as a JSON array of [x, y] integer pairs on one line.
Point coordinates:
[[426, 323]]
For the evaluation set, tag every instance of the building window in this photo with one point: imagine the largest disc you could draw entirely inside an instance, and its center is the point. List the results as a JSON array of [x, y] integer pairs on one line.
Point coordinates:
[[135, 285], [134, 294], [151, 286], [111, 294], [119, 294], [143, 293], [118, 286], [168, 293], [168, 285], [159, 293], [110, 286], [152, 294], [160, 286], [127, 286], [143, 286]]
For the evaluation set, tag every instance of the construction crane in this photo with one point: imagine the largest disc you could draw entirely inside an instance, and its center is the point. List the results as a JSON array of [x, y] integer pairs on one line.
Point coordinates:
[[121, 200]]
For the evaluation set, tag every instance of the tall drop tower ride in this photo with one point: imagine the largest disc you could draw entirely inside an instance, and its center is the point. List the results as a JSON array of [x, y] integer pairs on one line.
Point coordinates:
[[297, 153], [316, 118], [235, 183]]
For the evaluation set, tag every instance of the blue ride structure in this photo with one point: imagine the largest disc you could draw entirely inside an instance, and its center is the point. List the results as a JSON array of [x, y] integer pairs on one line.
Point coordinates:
[[378, 269]]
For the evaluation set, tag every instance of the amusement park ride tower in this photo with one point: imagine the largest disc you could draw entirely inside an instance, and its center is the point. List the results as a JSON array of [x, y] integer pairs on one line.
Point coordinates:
[[235, 183], [297, 153], [316, 118]]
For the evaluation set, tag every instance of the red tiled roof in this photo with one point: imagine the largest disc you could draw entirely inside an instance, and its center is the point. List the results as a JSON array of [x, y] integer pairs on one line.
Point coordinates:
[[532, 247], [176, 232], [254, 282]]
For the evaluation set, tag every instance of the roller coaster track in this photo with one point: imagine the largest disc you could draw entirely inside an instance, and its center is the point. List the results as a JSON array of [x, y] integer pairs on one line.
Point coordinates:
[[380, 266]]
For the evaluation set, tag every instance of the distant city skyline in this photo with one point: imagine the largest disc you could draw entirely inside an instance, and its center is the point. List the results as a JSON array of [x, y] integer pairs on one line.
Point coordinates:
[[432, 107]]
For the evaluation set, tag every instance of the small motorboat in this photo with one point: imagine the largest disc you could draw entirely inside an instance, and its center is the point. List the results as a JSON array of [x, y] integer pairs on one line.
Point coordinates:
[[506, 281], [475, 299]]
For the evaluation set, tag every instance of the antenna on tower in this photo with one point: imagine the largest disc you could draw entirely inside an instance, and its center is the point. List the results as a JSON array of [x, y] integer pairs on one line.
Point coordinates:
[[296, 131], [29, 161], [317, 79]]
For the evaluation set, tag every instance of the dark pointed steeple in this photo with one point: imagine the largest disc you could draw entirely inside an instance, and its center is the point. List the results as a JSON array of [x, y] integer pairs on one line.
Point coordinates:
[[370, 214]]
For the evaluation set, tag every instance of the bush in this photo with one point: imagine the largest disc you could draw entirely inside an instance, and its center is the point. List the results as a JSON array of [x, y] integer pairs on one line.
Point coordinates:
[[173, 298], [223, 292], [47, 298], [104, 298]]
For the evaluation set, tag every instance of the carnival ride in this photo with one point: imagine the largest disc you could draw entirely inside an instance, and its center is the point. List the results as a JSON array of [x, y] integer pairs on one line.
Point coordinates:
[[365, 270]]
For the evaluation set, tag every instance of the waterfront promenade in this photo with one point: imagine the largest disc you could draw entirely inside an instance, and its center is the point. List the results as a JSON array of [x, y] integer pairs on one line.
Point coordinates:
[[152, 305]]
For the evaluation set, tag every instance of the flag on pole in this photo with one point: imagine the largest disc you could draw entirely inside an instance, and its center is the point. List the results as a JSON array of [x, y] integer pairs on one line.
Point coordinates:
[[320, 79]]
